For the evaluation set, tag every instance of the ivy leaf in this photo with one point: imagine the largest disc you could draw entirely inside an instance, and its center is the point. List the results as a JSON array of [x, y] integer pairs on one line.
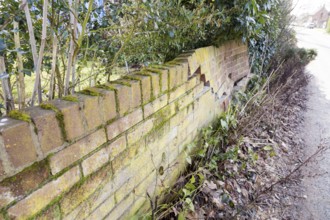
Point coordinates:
[[190, 204]]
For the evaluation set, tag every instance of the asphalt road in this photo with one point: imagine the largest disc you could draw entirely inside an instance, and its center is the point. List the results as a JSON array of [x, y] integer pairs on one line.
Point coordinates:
[[316, 181]]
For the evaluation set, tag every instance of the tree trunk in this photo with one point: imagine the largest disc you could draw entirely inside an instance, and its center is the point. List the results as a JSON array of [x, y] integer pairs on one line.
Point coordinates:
[[5, 83], [37, 84], [71, 49], [32, 40], [21, 85], [52, 75]]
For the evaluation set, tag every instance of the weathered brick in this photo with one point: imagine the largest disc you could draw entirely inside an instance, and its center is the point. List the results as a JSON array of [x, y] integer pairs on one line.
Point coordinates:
[[148, 185], [135, 97], [123, 176], [155, 105], [136, 149], [139, 131], [17, 138], [76, 151], [138, 204], [53, 213], [179, 91], [2, 170], [155, 83], [192, 82], [163, 74], [101, 193], [185, 100], [81, 193], [120, 162], [156, 138], [48, 129], [91, 111], [72, 119], [146, 87], [107, 104], [116, 147], [95, 161], [121, 208], [104, 209], [23, 182], [183, 71], [119, 126], [124, 190], [143, 170], [172, 75], [124, 94], [39, 199]]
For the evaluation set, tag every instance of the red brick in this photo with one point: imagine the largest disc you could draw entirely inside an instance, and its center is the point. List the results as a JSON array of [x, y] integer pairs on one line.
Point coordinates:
[[23, 182], [48, 129], [72, 119], [17, 138], [39, 199], [76, 151], [119, 126]]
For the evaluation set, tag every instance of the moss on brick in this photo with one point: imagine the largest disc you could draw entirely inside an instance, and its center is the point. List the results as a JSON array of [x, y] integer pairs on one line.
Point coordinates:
[[71, 98], [19, 115], [144, 72], [90, 91], [157, 66], [132, 78], [153, 70], [59, 116], [124, 83], [106, 87]]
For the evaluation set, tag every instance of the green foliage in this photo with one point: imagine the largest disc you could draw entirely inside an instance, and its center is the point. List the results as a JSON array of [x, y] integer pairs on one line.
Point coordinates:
[[141, 33]]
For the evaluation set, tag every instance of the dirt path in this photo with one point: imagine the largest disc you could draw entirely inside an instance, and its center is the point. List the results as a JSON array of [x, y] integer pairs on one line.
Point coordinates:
[[316, 126]]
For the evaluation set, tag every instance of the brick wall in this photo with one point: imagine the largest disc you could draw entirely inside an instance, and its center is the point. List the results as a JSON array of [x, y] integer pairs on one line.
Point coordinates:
[[96, 156]]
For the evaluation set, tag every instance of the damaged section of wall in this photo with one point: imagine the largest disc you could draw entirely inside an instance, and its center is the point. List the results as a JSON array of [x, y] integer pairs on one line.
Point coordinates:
[[97, 154]]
